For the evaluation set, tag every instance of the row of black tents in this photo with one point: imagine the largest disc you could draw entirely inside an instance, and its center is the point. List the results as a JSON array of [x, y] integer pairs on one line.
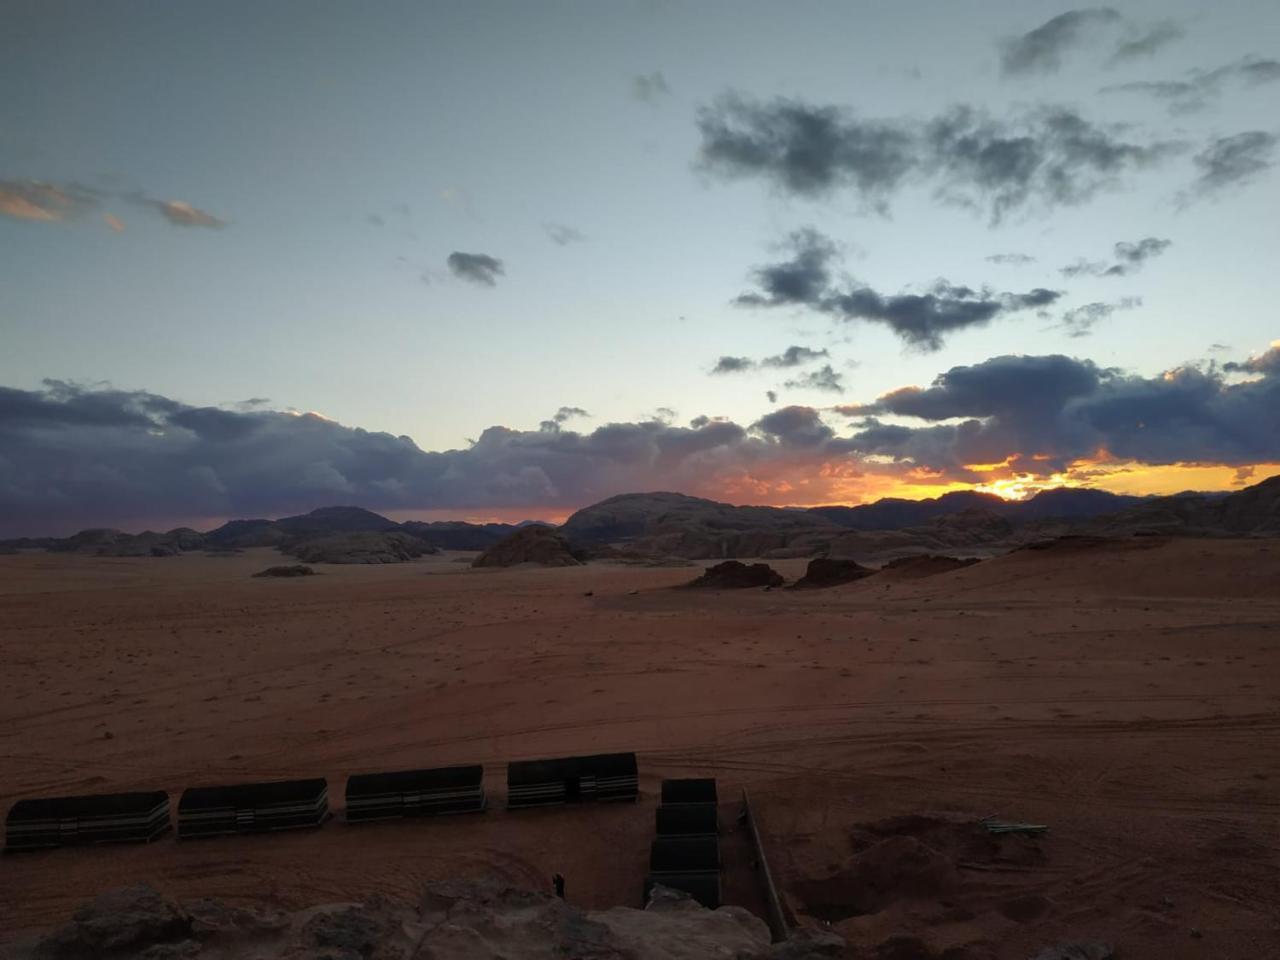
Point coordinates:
[[685, 854], [292, 804]]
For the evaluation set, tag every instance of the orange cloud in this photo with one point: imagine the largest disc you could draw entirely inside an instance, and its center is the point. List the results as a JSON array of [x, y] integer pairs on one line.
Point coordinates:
[[39, 201], [114, 222]]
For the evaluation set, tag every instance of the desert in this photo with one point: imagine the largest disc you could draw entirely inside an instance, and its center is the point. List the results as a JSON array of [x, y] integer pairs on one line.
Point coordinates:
[[1120, 692]]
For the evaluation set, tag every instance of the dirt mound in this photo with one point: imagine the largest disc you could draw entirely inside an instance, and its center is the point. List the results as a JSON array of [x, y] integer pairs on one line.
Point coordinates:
[[913, 568], [294, 570], [831, 572], [892, 869], [735, 575], [532, 544]]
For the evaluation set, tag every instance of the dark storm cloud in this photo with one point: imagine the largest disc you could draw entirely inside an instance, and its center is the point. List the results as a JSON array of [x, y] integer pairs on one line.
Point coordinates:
[[1267, 363], [649, 87], [824, 378], [1129, 258], [1011, 259], [1201, 86], [74, 456], [795, 426], [733, 365], [1046, 412], [1048, 156], [1232, 161], [562, 235], [921, 320], [1080, 321], [477, 267], [1040, 50], [794, 356]]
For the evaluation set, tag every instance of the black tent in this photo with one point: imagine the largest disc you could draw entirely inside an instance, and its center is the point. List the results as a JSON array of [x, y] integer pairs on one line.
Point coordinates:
[[102, 818], [253, 807], [415, 793]]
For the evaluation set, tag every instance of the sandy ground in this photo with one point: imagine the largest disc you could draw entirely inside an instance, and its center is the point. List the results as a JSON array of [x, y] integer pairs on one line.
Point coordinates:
[[1129, 698]]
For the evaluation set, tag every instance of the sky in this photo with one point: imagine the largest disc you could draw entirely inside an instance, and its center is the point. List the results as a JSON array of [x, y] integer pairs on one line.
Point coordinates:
[[502, 260]]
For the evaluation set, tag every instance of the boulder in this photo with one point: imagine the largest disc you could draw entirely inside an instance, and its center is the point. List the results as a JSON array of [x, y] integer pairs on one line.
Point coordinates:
[[531, 544], [735, 575], [831, 572], [119, 923]]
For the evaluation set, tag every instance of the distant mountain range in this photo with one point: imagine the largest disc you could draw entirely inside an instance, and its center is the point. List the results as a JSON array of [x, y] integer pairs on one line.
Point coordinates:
[[675, 525]]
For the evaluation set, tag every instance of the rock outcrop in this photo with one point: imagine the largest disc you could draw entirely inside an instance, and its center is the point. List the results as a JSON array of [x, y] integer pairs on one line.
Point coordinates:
[[367, 547], [831, 572], [288, 570], [464, 920], [533, 544], [734, 575]]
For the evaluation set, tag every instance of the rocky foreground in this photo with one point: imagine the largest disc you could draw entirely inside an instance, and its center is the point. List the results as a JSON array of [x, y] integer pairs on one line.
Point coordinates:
[[460, 921]]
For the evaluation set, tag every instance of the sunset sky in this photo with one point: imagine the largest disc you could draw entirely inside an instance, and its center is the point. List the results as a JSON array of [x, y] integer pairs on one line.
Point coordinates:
[[502, 260]]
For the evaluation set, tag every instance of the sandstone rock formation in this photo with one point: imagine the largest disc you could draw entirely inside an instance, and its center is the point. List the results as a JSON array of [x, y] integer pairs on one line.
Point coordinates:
[[926, 565], [367, 547], [733, 575], [464, 920], [532, 544], [831, 572]]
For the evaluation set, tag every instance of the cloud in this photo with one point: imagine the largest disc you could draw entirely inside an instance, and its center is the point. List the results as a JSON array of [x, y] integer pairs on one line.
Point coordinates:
[[1045, 156], [824, 379], [650, 87], [1129, 258], [562, 415], [1266, 363], [1080, 321], [794, 426], [74, 456], [733, 365], [1232, 161], [922, 320], [178, 212], [562, 235], [1040, 50], [114, 222], [1145, 43], [1011, 259], [794, 356], [477, 267], [1040, 414], [771, 396], [1202, 86], [38, 201]]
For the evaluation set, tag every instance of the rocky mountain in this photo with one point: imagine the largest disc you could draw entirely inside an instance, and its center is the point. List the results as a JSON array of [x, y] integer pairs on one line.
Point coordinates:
[[531, 544], [1061, 503], [1253, 511], [639, 526]]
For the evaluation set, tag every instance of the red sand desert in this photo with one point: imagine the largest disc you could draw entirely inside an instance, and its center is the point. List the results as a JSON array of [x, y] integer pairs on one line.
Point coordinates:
[[1125, 694]]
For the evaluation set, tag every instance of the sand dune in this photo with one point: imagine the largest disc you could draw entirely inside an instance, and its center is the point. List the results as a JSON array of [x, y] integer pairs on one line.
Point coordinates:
[[1127, 696]]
